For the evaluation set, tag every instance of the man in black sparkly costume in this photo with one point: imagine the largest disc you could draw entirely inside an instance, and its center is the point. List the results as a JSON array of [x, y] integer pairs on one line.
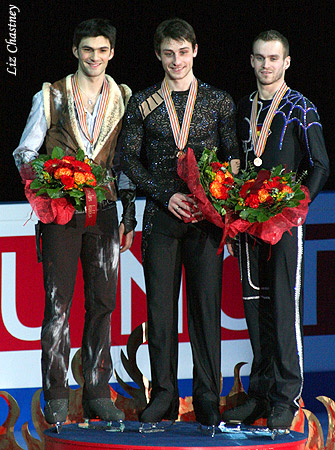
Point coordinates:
[[160, 122], [272, 276]]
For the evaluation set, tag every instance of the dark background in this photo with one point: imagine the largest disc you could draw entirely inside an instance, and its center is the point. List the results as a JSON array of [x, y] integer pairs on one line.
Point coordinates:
[[224, 32]]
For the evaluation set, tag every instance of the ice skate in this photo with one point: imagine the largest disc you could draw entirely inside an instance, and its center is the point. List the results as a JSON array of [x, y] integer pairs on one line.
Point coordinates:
[[280, 420], [105, 410], [55, 412], [252, 410], [160, 414]]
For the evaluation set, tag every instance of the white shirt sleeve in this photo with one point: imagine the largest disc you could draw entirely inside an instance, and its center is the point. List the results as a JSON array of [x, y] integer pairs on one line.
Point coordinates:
[[33, 134]]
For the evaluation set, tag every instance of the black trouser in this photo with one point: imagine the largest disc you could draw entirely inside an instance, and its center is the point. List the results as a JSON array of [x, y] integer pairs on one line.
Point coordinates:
[[172, 244], [98, 249], [272, 281]]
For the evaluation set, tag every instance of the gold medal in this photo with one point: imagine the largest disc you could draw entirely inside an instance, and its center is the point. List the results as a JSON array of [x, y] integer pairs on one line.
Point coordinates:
[[180, 135], [258, 162]]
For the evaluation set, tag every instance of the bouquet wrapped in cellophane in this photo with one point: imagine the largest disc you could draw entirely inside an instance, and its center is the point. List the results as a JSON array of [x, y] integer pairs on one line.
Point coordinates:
[[263, 203], [56, 185]]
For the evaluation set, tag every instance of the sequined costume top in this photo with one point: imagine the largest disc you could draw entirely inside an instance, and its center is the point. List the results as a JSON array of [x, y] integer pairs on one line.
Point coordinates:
[[149, 154], [295, 138]]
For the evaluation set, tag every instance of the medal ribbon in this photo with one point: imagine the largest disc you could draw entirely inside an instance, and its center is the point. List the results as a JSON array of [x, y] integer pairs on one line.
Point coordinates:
[[91, 207], [180, 134], [81, 110], [260, 142]]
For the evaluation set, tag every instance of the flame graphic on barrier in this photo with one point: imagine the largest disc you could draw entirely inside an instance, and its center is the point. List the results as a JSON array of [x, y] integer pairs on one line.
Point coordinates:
[[139, 398]]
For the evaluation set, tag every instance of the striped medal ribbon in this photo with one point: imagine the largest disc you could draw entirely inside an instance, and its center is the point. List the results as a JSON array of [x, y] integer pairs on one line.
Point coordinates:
[[81, 110], [180, 134], [259, 142]]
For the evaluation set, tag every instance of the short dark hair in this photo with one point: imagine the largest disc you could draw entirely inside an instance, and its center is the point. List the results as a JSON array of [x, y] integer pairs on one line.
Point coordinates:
[[273, 35], [176, 29], [94, 28]]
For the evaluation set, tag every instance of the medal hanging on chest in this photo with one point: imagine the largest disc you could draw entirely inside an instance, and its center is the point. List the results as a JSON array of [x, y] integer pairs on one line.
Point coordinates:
[[259, 142], [180, 135]]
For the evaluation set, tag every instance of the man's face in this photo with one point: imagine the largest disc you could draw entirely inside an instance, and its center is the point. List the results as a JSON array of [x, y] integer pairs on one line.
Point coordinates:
[[269, 62], [177, 58], [93, 55]]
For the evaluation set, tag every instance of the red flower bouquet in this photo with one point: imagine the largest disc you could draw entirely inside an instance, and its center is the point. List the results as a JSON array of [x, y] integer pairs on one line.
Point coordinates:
[[206, 189], [265, 203], [62, 184]]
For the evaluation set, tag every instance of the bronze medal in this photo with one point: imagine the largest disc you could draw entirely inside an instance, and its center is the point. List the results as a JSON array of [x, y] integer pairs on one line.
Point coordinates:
[[258, 162]]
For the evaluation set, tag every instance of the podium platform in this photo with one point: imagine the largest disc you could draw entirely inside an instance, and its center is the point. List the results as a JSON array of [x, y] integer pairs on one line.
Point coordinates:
[[180, 436]]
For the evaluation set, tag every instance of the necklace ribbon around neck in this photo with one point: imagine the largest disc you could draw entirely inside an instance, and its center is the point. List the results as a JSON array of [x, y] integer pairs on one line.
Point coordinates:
[[259, 142], [81, 110], [180, 134]]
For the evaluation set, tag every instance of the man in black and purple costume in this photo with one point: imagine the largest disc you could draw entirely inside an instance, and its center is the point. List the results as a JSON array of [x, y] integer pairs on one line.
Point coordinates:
[[276, 125]]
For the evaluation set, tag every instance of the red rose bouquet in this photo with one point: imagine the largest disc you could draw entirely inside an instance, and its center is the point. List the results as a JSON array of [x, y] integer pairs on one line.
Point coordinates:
[[63, 184], [264, 203], [267, 203]]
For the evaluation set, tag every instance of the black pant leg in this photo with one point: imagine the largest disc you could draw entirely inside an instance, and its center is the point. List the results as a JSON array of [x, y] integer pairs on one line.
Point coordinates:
[[286, 282], [258, 309], [100, 262], [203, 271], [162, 270], [272, 278], [61, 246]]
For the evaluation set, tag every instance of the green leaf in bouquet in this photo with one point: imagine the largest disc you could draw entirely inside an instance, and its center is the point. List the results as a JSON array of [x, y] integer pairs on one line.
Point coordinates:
[[37, 165], [263, 216], [76, 193], [209, 173], [57, 153], [101, 194], [55, 193], [223, 211], [80, 155], [300, 195], [244, 214], [239, 207], [41, 191], [40, 160], [293, 203], [78, 204], [288, 177], [36, 184], [97, 171], [277, 171]]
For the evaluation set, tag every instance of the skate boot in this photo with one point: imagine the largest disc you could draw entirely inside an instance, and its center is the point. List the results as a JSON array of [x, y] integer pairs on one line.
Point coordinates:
[[163, 407], [280, 419], [252, 410], [207, 413], [104, 409], [55, 412]]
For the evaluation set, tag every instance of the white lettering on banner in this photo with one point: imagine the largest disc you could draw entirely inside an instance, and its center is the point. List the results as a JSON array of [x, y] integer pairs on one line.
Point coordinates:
[[131, 269], [8, 301], [227, 322], [311, 249], [230, 323]]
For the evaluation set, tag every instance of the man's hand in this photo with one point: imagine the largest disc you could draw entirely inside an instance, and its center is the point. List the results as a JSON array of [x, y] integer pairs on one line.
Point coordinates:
[[232, 246], [182, 205], [127, 238], [235, 166]]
